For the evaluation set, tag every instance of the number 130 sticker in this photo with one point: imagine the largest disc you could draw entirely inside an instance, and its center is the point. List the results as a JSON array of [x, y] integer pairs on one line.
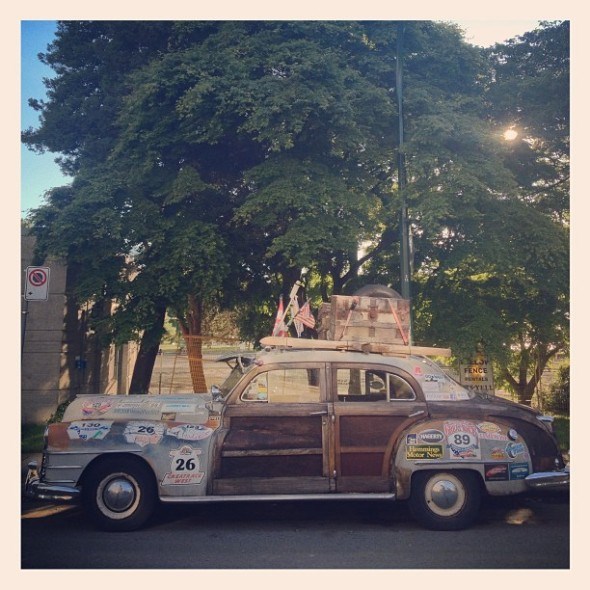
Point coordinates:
[[185, 467]]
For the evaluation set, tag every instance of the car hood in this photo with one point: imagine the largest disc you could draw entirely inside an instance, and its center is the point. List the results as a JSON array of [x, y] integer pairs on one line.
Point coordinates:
[[186, 407]]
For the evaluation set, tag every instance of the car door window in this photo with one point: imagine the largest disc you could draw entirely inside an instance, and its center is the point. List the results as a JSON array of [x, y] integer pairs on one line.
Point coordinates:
[[363, 385], [284, 386]]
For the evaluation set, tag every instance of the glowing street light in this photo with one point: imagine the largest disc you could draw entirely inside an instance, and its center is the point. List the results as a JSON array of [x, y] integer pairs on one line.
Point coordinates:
[[510, 134]]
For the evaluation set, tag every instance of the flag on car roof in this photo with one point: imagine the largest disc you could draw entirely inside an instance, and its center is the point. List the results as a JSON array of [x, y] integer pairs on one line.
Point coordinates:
[[293, 312], [280, 329], [305, 316]]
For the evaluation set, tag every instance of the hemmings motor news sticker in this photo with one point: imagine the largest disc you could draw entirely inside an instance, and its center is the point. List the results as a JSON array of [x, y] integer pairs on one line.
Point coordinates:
[[185, 467]]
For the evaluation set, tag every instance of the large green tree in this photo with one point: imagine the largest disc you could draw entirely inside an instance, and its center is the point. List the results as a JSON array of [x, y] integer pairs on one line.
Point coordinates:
[[214, 160], [498, 272]]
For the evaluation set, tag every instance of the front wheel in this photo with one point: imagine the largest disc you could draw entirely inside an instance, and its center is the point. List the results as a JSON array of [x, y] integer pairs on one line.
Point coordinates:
[[120, 494], [445, 500]]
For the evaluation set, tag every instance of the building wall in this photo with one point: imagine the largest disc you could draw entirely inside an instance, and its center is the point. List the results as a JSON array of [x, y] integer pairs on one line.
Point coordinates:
[[42, 356], [60, 357]]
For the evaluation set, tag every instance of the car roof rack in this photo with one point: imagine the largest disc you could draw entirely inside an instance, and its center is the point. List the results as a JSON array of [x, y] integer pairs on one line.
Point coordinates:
[[285, 342]]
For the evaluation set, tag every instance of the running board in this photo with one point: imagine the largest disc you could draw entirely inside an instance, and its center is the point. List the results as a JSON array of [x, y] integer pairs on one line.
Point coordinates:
[[276, 498]]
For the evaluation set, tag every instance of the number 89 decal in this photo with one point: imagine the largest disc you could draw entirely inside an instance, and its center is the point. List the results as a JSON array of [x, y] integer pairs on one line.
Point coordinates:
[[184, 467], [462, 440]]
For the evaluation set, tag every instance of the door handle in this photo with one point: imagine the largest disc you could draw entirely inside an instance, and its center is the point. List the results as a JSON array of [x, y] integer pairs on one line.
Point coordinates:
[[416, 413], [320, 413]]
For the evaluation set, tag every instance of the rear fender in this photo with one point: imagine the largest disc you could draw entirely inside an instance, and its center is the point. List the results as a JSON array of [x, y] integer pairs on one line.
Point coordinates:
[[494, 450]]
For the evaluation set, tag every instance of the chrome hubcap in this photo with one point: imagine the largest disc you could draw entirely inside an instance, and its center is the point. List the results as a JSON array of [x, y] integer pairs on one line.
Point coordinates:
[[118, 494], [444, 494]]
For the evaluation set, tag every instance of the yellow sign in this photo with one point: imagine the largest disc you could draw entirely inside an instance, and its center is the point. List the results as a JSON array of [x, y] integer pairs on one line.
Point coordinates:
[[477, 375]]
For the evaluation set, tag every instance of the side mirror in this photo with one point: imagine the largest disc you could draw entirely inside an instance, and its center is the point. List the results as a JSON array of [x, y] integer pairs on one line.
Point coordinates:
[[216, 393]]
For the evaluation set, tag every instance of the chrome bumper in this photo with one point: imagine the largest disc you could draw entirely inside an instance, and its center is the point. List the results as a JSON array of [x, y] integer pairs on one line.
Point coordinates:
[[549, 480], [35, 488]]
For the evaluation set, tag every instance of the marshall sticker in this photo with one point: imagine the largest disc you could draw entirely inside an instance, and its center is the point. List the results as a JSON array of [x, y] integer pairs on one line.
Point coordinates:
[[424, 451], [185, 467], [89, 430]]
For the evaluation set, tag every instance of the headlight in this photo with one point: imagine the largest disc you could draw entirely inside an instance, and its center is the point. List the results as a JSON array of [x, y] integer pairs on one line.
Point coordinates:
[[547, 421]]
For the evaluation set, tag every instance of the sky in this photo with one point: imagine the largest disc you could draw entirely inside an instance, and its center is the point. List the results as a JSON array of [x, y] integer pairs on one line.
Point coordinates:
[[40, 172]]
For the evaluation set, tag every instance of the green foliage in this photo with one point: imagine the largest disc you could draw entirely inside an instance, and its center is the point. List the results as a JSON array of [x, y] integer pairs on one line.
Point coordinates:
[[558, 400], [32, 438], [214, 160], [561, 425]]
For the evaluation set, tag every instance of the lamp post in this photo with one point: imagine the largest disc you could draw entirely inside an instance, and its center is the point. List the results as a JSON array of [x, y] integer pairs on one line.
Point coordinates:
[[404, 229]]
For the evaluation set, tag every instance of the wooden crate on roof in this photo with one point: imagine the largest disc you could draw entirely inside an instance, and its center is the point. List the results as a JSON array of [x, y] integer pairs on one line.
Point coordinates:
[[369, 319]]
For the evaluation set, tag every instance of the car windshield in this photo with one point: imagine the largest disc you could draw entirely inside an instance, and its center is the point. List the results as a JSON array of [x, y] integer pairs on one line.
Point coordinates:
[[438, 385], [240, 365]]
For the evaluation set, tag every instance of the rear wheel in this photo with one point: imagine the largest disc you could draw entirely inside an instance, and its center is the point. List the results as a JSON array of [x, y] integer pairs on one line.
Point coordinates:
[[445, 500], [120, 494]]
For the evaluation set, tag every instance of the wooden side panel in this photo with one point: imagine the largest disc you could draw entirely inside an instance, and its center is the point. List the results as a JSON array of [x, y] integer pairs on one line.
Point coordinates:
[[365, 435], [274, 432], [281, 450], [362, 443]]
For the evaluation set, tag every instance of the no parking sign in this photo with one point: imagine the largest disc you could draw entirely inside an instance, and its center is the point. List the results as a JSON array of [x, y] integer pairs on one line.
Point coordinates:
[[37, 283]]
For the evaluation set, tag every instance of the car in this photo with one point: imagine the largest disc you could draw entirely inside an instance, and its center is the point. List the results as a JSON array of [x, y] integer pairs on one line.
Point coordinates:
[[301, 423]]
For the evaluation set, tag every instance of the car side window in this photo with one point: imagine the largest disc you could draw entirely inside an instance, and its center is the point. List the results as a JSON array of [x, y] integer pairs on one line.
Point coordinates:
[[363, 385], [284, 386]]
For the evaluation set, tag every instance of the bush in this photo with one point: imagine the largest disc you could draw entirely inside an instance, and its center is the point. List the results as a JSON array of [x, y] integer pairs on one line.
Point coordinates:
[[558, 400]]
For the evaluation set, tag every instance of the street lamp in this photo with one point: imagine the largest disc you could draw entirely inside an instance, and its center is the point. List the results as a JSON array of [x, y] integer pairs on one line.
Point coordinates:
[[404, 229], [510, 134]]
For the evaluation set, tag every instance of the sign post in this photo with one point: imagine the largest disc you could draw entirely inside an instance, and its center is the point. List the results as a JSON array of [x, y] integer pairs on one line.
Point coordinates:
[[476, 374], [36, 289], [37, 283]]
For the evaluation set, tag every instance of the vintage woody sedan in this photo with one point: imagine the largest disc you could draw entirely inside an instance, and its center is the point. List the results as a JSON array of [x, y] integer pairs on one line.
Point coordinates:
[[301, 424]]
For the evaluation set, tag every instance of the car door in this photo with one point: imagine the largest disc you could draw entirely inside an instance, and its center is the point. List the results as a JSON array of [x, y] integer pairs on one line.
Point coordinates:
[[275, 435], [373, 405]]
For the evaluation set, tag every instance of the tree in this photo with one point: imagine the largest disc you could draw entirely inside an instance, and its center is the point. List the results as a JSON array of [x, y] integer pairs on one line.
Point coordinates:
[[529, 91], [498, 273], [229, 155]]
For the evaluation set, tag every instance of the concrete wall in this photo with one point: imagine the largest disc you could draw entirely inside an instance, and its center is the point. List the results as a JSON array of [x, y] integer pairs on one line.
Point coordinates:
[[43, 357], [54, 340]]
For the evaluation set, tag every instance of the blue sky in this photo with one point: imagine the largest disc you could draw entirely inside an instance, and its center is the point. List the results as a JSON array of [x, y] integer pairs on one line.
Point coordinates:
[[40, 172]]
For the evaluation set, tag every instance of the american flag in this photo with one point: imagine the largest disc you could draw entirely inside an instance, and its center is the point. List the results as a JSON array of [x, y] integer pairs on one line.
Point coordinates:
[[305, 316]]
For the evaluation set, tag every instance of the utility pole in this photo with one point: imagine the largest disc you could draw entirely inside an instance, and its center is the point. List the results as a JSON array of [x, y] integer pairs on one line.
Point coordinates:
[[404, 229]]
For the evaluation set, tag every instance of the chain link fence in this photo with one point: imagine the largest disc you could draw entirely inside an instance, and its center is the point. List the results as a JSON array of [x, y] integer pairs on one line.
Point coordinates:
[[178, 366]]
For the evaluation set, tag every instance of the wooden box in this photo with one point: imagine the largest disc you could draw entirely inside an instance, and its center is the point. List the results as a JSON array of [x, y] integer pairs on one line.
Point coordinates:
[[369, 319]]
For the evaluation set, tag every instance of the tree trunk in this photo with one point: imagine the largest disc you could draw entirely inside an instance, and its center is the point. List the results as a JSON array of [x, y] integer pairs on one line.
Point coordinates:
[[523, 387], [148, 352], [191, 327]]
